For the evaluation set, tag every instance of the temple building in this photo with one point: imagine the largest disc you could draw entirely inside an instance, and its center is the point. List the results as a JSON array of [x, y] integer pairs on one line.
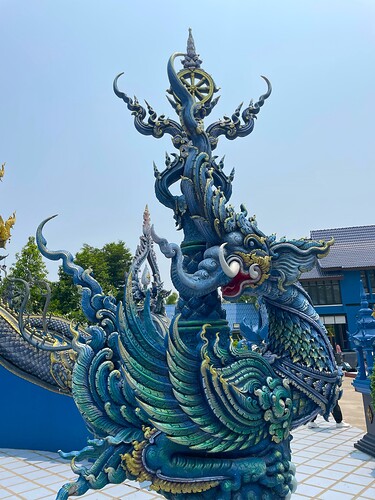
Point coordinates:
[[334, 284]]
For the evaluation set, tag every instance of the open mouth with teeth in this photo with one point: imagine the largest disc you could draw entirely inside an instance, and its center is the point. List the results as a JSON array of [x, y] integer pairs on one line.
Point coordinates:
[[257, 270], [237, 284]]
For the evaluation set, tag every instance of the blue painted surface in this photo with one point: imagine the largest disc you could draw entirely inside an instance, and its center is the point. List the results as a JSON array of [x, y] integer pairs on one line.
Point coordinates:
[[362, 386], [350, 293], [235, 313], [35, 418]]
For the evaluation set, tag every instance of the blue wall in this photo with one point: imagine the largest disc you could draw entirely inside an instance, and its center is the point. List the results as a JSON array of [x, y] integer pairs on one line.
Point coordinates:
[[350, 295], [38, 419], [350, 287]]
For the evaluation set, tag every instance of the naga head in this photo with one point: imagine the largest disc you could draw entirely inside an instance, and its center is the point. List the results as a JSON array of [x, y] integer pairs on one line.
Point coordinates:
[[256, 260]]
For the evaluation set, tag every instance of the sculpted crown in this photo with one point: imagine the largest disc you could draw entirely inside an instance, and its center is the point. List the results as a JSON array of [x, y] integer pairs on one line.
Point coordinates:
[[191, 92]]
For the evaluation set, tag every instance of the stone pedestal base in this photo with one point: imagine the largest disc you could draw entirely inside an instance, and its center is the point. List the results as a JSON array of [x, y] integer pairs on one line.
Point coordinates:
[[367, 443]]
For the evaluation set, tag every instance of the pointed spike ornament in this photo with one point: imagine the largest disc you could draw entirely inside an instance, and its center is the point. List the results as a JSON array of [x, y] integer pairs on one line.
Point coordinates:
[[191, 60]]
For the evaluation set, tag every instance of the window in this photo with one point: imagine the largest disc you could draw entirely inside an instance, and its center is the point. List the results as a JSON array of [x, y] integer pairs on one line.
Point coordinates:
[[337, 330], [323, 292], [368, 281], [364, 281], [372, 281]]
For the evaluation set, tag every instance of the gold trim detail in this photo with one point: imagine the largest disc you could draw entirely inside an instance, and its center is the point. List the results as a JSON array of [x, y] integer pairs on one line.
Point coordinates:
[[264, 262], [370, 414], [326, 247], [132, 463]]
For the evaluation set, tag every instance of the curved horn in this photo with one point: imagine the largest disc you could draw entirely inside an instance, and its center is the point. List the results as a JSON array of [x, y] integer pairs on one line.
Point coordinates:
[[116, 89], [269, 89], [231, 270], [255, 108], [80, 277]]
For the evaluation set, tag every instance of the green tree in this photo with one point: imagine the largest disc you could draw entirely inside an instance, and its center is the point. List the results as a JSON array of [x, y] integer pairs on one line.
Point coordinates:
[[248, 299], [109, 265], [66, 298], [30, 267], [172, 299]]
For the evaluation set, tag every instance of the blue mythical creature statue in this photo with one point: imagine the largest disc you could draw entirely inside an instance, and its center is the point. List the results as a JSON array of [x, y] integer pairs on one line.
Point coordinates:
[[28, 341], [19, 352], [180, 407]]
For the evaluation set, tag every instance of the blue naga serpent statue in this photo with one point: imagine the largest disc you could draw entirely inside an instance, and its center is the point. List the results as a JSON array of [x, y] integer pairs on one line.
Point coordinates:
[[28, 341], [20, 337], [182, 408]]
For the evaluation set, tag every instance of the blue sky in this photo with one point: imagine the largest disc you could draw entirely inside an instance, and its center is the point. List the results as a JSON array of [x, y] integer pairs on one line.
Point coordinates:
[[71, 147]]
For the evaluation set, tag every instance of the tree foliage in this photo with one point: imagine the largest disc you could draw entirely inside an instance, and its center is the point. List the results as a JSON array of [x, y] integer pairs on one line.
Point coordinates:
[[30, 267], [108, 264], [172, 299], [247, 299], [66, 298], [29, 262]]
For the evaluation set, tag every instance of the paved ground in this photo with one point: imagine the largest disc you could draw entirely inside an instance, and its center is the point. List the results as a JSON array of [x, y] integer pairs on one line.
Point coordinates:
[[352, 406], [328, 466]]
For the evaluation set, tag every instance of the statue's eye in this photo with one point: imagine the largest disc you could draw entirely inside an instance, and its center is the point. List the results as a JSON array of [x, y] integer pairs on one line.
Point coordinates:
[[251, 242], [254, 242]]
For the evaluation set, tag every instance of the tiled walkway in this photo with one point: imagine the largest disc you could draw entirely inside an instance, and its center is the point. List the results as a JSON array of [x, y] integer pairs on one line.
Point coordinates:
[[328, 467]]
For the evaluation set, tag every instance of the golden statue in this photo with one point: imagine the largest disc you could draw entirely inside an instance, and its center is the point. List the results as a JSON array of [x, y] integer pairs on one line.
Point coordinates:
[[5, 228]]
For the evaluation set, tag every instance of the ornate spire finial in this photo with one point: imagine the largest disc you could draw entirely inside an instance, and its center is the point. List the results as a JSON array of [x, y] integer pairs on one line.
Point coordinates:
[[2, 171], [365, 318], [146, 221], [191, 60]]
